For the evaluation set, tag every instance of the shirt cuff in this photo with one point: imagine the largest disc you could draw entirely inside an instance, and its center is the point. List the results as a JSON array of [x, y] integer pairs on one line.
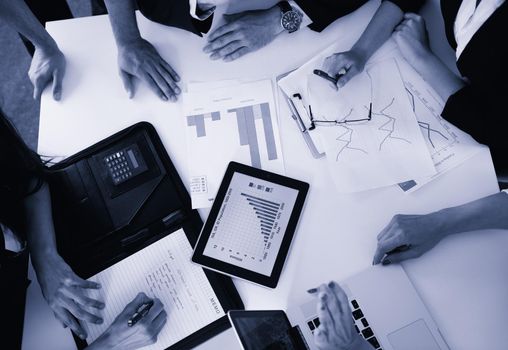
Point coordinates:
[[306, 21], [197, 13]]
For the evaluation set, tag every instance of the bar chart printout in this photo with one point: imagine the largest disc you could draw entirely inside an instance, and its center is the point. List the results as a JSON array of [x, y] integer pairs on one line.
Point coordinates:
[[233, 123], [251, 223]]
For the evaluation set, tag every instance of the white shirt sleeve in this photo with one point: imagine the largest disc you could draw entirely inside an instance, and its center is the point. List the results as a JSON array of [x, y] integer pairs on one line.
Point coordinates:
[[194, 6], [306, 21]]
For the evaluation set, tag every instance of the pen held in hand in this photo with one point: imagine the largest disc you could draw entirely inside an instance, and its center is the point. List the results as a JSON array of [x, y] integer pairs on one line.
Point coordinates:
[[141, 311]]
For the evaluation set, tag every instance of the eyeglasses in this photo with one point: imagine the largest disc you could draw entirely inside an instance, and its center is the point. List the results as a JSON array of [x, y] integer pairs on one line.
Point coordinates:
[[314, 123]]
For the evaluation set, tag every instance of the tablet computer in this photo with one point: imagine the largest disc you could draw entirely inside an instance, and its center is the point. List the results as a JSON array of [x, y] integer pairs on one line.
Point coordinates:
[[251, 224]]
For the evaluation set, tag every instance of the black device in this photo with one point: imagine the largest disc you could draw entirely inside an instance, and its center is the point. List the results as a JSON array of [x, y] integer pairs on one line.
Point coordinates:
[[119, 196], [266, 330], [251, 224]]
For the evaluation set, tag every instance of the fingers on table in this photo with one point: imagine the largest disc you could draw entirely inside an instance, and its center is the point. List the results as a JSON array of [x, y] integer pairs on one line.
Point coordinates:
[[68, 320], [222, 30]]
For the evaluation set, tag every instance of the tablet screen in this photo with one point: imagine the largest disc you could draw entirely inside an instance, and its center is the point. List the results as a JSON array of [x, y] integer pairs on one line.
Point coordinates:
[[251, 223]]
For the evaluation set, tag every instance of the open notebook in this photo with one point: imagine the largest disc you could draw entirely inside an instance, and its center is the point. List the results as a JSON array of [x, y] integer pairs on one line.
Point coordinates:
[[163, 270]]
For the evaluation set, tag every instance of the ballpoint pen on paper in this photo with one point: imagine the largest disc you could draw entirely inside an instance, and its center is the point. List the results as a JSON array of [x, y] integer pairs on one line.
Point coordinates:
[[141, 311]]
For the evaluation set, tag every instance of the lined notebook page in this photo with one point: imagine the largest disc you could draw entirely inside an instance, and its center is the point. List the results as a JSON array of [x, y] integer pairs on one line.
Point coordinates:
[[163, 270]]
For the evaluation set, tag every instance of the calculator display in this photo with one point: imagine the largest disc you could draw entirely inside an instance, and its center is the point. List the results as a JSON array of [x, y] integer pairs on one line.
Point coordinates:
[[124, 164]]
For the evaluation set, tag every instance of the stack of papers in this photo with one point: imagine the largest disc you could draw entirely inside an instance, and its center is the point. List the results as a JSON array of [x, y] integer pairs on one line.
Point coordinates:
[[405, 142]]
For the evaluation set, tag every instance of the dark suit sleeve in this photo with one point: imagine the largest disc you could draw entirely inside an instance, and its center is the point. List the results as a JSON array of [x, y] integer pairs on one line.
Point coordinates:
[[480, 112], [173, 13], [323, 12], [408, 5]]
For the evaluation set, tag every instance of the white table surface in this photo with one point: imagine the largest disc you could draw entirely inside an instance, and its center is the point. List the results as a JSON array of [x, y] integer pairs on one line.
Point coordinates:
[[463, 281]]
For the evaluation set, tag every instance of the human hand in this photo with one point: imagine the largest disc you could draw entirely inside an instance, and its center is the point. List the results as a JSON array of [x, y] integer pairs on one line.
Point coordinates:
[[419, 233], [412, 38], [48, 65], [244, 32], [344, 64], [120, 336], [336, 330], [140, 59], [66, 294]]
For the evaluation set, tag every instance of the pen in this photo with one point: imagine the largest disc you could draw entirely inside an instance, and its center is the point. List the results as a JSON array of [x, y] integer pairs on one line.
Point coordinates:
[[141, 311], [325, 75]]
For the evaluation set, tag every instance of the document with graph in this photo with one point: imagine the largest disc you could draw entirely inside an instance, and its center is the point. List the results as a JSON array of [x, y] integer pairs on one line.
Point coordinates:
[[163, 270], [448, 145], [233, 123], [369, 130]]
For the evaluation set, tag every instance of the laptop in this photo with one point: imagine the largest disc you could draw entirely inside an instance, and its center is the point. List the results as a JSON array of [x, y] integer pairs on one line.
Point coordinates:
[[386, 311]]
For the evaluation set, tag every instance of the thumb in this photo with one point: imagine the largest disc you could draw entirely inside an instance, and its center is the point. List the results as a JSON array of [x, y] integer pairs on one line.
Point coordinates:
[[127, 83], [57, 84], [344, 79], [39, 83]]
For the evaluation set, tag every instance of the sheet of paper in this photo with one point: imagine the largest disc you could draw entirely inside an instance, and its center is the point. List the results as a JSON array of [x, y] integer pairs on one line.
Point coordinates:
[[233, 123], [448, 145], [378, 141], [427, 107], [163, 270]]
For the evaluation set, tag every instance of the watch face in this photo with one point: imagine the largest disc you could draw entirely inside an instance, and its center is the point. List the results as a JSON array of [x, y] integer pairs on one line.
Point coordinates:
[[291, 21]]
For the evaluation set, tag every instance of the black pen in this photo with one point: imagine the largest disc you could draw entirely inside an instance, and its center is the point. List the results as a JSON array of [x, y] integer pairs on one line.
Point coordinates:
[[325, 75], [141, 311]]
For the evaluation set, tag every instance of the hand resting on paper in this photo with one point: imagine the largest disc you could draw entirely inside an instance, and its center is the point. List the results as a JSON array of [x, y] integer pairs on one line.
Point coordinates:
[[120, 336]]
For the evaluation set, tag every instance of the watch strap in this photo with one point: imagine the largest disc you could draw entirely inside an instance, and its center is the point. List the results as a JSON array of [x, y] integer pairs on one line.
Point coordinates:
[[284, 6]]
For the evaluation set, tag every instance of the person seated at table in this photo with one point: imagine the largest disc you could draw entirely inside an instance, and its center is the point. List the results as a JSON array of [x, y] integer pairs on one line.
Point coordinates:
[[418, 233], [249, 31], [26, 227], [475, 100], [28, 18], [244, 32]]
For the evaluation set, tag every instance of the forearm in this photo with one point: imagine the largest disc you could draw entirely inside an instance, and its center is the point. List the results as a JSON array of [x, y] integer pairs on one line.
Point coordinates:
[[380, 28], [486, 213], [438, 75], [40, 228], [122, 15], [17, 14]]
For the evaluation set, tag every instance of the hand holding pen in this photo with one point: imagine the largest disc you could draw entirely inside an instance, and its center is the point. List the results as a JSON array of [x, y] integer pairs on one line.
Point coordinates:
[[136, 326], [342, 67]]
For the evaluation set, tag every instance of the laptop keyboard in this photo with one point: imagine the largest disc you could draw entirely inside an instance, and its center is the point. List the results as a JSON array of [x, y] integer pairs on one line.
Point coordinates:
[[361, 325]]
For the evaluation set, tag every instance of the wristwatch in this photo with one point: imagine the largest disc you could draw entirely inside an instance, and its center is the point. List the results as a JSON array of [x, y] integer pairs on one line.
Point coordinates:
[[291, 18]]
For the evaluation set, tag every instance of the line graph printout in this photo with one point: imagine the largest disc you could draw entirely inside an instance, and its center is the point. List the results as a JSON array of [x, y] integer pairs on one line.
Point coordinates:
[[251, 223], [448, 145], [233, 123], [364, 154]]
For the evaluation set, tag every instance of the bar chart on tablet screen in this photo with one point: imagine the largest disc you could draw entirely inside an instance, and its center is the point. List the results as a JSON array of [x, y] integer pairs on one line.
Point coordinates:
[[233, 123], [251, 223]]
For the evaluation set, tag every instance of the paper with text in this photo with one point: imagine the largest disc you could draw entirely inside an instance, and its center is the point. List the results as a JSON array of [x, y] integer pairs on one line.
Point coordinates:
[[163, 270]]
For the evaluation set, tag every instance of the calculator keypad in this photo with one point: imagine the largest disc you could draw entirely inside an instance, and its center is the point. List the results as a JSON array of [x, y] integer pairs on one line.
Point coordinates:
[[119, 167]]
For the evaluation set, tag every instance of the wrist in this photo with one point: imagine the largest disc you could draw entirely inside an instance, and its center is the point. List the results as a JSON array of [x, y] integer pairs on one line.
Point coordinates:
[[444, 221], [275, 14], [43, 257], [103, 342]]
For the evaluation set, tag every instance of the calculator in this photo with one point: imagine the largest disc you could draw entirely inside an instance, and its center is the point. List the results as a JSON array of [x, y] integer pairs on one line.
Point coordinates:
[[124, 164]]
